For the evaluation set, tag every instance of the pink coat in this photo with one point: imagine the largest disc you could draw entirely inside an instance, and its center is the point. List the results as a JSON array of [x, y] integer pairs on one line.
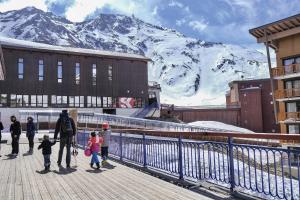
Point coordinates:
[[94, 144]]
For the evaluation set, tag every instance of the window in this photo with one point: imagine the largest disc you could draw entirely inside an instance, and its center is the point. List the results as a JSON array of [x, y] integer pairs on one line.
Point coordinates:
[[109, 102], [77, 102], [77, 73], [39, 100], [94, 74], [81, 101], [45, 101], [25, 100], [110, 73], [92, 101], [138, 103], [3, 100], [65, 100], [19, 100], [59, 72], [71, 101], [13, 100], [41, 70], [33, 100], [20, 68], [104, 101], [53, 99], [99, 102]]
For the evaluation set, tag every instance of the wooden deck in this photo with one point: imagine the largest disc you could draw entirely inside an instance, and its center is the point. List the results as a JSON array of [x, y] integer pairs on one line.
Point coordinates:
[[23, 178]]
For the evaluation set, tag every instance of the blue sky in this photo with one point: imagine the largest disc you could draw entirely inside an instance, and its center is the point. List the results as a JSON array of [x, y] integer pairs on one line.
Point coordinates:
[[226, 21]]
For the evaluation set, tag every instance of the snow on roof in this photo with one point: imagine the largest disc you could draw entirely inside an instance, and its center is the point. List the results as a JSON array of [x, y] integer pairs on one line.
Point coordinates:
[[220, 125], [4, 41]]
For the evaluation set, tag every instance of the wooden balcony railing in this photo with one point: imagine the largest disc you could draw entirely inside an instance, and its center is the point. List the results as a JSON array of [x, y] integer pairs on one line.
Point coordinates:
[[287, 93], [289, 115], [285, 70]]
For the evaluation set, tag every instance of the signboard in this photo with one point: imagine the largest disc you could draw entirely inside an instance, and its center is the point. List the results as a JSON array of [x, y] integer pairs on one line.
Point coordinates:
[[126, 102]]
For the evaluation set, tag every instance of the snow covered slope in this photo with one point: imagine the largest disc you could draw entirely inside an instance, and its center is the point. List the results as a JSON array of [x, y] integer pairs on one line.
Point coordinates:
[[215, 124], [190, 71]]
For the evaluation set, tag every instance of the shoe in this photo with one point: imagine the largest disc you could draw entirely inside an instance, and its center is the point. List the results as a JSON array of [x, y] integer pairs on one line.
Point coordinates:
[[91, 164], [68, 166], [98, 165]]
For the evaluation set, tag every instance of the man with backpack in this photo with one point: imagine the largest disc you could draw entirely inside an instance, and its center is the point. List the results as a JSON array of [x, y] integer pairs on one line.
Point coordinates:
[[66, 127]]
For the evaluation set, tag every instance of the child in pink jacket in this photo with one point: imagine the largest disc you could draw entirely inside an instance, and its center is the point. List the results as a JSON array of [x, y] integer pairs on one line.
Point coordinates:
[[94, 145]]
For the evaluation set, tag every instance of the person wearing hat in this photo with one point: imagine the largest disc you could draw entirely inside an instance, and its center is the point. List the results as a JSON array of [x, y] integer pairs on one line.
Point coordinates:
[[65, 126], [105, 134], [15, 131], [30, 132]]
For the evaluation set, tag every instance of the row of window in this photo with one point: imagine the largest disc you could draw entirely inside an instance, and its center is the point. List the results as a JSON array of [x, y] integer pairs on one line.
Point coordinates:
[[289, 61], [60, 71], [16, 100]]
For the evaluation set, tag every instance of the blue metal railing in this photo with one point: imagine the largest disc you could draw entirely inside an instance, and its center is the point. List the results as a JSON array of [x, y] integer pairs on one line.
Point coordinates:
[[272, 173]]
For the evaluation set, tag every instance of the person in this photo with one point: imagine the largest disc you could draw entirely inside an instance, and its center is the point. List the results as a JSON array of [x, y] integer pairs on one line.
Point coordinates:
[[94, 144], [46, 146], [15, 131], [105, 134], [66, 127], [1, 128], [30, 132]]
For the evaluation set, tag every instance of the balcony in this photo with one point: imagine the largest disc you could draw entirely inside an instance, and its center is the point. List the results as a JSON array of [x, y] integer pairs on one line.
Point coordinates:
[[287, 93], [288, 70], [293, 116]]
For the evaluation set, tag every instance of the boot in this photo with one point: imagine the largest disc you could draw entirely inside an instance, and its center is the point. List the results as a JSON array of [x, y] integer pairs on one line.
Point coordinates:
[[91, 164], [98, 165]]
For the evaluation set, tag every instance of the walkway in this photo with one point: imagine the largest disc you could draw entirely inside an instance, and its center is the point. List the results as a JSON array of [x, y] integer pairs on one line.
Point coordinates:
[[23, 178]]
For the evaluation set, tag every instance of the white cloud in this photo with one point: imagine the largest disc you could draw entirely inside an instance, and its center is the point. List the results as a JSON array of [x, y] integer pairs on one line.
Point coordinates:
[[180, 22], [19, 4], [176, 4], [198, 25]]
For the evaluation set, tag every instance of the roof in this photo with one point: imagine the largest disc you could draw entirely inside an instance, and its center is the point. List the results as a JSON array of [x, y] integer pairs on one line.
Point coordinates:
[[278, 29], [249, 81], [22, 44]]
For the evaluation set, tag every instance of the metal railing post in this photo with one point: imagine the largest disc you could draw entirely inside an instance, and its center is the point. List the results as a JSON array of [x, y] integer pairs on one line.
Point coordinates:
[[180, 161], [144, 150], [231, 163], [121, 147]]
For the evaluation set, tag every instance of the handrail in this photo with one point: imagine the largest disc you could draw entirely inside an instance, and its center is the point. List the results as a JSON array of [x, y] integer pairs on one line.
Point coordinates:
[[193, 135]]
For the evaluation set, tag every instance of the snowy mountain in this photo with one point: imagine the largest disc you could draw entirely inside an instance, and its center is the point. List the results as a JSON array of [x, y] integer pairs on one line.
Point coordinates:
[[190, 71]]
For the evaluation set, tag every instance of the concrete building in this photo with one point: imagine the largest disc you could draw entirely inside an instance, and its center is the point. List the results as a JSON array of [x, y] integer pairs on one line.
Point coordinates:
[[284, 37], [40, 76]]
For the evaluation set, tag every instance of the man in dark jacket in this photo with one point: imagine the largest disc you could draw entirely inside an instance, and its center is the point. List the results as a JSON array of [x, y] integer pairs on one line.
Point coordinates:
[[15, 131], [1, 128], [30, 132], [66, 127]]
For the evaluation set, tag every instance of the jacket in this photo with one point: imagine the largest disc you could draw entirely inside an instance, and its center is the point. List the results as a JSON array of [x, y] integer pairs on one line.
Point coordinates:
[[58, 128], [1, 127], [94, 143], [106, 137], [46, 146], [15, 129], [30, 129]]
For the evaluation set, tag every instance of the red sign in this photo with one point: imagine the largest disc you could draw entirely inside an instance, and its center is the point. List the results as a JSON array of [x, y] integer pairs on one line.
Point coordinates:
[[126, 102]]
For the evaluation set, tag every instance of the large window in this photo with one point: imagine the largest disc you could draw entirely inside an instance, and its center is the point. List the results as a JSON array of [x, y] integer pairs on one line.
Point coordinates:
[[41, 70], [13, 100], [110, 73], [71, 101], [33, 101], [92, 101], [21, 68], [77, 73], [94, 74], [59, 71], [59, 101], [3, 100]]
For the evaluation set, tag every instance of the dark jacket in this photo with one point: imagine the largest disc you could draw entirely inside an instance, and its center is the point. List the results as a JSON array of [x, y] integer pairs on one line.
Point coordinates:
[[58, 128], [15, 129], [30, 129], [1, 127], [46, 146]]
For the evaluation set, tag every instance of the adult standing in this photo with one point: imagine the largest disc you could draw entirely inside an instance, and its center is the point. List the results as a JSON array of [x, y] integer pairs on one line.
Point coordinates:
[[15, 131], [30, 132], [66, 127], [105, 134], [1, 128]]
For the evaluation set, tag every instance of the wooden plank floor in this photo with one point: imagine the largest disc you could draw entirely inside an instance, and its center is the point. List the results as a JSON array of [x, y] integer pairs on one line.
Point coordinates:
[[23, 178]]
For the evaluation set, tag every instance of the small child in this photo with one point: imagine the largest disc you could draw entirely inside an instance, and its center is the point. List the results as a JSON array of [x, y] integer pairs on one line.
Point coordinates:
[[93, 144], [46, 146], [105, 134]]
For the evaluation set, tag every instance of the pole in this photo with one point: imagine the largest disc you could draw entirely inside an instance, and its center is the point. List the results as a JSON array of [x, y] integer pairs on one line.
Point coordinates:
[[144, 150], [180, 161], [231, 163], [271, 76]]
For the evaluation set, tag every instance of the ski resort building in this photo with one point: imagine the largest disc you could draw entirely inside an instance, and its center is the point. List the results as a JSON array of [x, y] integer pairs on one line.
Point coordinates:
[[39, 76], [284, 37]]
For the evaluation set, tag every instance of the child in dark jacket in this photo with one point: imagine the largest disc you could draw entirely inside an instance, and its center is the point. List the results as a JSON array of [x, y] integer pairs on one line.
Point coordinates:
[[46, 146]]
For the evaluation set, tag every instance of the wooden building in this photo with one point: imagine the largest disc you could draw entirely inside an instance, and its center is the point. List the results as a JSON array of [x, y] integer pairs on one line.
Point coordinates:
[[40, 76], [284, 37]]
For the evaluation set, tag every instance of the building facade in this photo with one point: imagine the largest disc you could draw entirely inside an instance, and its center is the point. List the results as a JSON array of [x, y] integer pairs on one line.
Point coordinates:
[[284, 37], [39, 76]]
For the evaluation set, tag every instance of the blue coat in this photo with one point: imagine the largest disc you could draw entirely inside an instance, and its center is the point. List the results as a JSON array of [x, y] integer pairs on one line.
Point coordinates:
[[30, 129]]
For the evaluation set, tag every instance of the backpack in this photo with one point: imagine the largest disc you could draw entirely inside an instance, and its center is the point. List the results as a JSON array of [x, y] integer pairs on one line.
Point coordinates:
[[66, 126]]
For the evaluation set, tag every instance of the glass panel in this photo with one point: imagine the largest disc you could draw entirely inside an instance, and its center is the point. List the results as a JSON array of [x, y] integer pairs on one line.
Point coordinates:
[[288, 61], [109, 102], [59, 72], [77, 101], [45, 101], [25, 100], [94, 102], [288, 85], [104, 102], [77, 73], [41, 70], [293, 129], [81, 101], [94, 74], [297, 84], [291, 107], [13, 100], [19, 100], [59, 100], [20, 68], [89, 101], [297, 60], [65, 100], [33, 100], [71, 101], [53, 99], [3, 100], [110, 73], [99, 102], [39, 100]]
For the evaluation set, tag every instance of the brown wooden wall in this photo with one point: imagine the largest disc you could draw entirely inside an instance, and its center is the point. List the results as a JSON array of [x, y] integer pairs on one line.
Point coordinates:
[[128, 75]]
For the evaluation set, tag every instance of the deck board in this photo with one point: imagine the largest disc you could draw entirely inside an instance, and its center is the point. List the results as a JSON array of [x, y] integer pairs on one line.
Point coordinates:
[[23, 178]]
